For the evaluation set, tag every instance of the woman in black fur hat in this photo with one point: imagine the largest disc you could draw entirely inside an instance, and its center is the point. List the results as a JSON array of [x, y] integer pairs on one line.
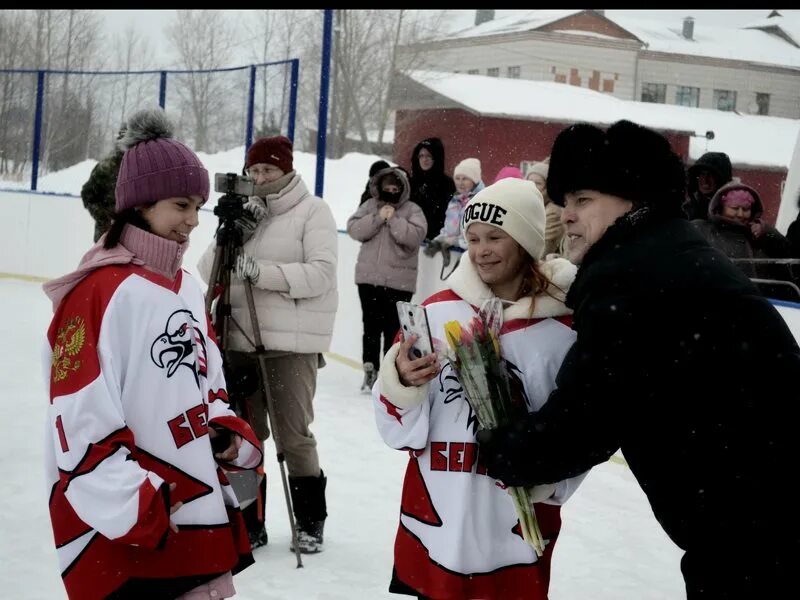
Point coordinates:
[[679, 362]]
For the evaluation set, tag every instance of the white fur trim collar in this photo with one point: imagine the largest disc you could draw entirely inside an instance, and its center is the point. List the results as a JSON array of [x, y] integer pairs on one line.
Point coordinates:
[[466, 282]]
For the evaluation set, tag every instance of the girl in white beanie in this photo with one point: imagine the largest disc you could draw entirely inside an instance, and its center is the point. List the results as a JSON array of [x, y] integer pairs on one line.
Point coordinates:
[[467, 177], [459, 535]]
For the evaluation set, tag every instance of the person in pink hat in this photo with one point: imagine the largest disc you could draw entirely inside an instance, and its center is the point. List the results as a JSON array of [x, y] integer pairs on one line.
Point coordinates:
[[140, 431]]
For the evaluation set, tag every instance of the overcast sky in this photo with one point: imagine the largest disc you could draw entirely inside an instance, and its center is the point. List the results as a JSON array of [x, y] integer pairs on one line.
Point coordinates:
[[152, 23]]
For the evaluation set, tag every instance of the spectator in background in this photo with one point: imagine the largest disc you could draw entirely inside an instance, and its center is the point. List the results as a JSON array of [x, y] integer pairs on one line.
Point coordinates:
[[390, 228], [378, 165], [98, 191], [431, 187], [793, 234], [735, 227], [554, 230], [705, 177], [508, 172], [289, 255], [468, 180]]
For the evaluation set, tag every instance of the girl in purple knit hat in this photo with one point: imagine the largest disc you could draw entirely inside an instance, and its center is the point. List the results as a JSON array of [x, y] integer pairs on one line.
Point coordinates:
[[139, 423]]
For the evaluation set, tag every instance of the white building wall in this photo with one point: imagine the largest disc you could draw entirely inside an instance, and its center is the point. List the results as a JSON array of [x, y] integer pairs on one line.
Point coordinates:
[[784, 89], [538, 59]]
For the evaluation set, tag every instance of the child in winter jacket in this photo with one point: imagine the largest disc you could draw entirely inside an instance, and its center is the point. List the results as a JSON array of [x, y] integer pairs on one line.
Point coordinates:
[[467, 175], [459, 535], [139, 425], [390, 228]]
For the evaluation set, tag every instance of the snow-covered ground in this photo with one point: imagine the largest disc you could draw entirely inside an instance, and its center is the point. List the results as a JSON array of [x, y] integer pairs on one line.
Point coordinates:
[[611, 547]]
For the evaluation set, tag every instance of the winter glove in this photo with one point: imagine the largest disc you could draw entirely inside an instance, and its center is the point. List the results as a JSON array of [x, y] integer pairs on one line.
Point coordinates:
[[507, 450], [432, 247], [247, 268], [246, 224]]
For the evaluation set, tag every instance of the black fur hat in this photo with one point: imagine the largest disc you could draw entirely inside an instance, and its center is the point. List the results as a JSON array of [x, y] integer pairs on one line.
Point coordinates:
[[627, 160]]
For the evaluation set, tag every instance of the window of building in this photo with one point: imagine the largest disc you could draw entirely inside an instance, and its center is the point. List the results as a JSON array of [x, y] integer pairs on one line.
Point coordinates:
[[654, 92], [472, 71], [762, 101], [725, 99], [512, 72], [493, 71], [687, 95]]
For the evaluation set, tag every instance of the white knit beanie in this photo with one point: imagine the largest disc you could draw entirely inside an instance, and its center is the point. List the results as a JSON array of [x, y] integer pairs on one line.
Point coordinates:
[[540, 168], [469, 167], [515, 206]]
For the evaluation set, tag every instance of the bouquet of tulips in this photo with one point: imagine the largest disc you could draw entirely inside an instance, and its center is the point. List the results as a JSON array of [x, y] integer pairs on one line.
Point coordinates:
[[475, 355]]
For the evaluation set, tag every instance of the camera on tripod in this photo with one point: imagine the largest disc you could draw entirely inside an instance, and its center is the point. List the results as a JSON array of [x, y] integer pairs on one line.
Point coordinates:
[[236, 189]]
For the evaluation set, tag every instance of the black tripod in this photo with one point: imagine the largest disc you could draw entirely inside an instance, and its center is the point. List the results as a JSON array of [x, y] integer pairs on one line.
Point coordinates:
[[229, 242]]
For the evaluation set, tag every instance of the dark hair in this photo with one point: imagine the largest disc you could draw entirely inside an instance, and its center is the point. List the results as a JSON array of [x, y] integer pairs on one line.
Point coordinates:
[[128, 216]]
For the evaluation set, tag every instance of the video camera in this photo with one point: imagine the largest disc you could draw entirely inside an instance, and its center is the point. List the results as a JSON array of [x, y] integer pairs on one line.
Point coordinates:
[[236, 189]]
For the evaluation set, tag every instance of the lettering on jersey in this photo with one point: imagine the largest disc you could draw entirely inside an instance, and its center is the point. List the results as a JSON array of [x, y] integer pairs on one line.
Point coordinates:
[[181, 343], [190, 425], [456, 457], [70, 340]]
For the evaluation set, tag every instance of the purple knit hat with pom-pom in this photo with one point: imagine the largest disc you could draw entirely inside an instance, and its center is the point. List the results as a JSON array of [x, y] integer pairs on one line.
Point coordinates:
[[156, 166]]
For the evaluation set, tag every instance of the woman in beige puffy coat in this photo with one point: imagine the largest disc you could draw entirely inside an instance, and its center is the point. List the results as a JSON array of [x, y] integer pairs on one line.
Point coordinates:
[[289, 255], [390, 228]]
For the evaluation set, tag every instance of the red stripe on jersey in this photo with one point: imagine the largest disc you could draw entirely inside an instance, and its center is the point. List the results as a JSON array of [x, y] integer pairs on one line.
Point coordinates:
[[415, 569], [416, 501], [220, 394], [104, 566], [391, 409], [97, 453], [152, 521], [443, 296]]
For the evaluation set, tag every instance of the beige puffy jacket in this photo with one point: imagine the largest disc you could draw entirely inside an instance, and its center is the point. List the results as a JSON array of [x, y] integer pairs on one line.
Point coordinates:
[[295, 245]]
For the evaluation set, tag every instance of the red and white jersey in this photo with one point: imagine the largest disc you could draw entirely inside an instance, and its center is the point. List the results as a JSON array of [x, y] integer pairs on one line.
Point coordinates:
[[459, 535], [135, 381]]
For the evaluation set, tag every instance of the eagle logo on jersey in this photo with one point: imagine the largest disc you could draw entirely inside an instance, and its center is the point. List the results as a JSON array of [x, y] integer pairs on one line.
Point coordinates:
[[69, 342], [182, 343]]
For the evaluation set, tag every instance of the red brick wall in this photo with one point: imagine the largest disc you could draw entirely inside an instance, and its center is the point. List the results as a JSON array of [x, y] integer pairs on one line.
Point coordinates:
[[495, 142], [589, 22]]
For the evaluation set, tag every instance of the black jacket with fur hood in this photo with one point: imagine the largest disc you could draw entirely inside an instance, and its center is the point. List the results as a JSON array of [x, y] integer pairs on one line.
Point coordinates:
[[431, 189], [682, 364], [718, 163]]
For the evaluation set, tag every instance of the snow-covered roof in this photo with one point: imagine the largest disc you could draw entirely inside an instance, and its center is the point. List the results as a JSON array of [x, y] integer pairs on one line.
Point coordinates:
[[533, 19], [747, 44], [747, 139], [788, 24]]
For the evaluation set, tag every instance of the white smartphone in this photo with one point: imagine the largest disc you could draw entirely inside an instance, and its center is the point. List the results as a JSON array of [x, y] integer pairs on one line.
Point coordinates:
[[414, 320]]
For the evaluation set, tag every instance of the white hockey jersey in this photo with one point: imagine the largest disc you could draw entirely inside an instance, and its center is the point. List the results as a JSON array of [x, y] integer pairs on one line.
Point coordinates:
[[135, 382], [459, 535]]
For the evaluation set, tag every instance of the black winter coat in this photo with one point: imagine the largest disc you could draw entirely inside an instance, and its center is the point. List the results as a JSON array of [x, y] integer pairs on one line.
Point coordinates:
[[718, 163], [685, 367], [431, 189]]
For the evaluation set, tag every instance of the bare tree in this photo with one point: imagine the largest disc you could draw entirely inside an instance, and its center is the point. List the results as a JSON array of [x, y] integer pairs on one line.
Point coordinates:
[[202, 40]]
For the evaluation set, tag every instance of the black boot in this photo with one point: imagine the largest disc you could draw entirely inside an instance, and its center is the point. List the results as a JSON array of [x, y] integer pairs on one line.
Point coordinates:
[[310, 511]]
